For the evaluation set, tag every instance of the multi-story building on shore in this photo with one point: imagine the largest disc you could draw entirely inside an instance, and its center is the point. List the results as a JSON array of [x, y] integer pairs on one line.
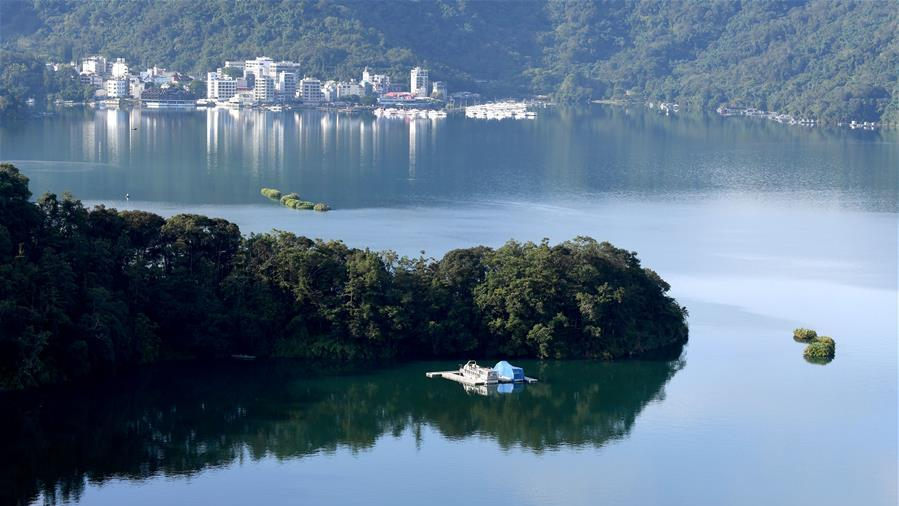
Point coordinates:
[[380, 83], [95, 65], [286, 86], [311, 90], [259, 67], [419, 83], [219, 87], [284, 66], [116, 88], [264, 89], [439, 91], [119, 69], [349, 89]]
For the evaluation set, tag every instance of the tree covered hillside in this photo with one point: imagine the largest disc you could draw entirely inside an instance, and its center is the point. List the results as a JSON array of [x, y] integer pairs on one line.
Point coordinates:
[[826, 59], [86, 290]]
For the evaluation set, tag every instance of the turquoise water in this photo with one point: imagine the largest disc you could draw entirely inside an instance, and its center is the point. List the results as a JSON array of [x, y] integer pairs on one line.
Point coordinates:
[[758, 227]]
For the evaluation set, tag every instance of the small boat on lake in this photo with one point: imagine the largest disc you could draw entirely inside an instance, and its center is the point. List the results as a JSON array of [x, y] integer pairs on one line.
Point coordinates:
[[478, 374]]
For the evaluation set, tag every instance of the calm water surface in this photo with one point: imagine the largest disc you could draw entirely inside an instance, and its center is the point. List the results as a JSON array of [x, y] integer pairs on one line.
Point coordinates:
[[759, 228]]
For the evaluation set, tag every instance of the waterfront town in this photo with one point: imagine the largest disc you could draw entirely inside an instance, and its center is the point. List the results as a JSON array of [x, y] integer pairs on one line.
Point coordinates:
[[264, 83], [261, 83]]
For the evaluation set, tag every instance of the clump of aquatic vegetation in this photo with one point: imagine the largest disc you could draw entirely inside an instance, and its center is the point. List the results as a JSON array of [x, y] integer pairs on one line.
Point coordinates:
[[271, 193], [293, 200], [819, 350], [804, 335]]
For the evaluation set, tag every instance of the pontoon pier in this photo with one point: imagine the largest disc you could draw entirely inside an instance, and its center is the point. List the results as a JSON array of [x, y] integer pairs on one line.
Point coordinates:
[[473, 374]]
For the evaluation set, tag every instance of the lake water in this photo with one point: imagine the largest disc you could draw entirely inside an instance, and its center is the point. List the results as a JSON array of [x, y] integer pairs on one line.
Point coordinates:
[[759, 228]]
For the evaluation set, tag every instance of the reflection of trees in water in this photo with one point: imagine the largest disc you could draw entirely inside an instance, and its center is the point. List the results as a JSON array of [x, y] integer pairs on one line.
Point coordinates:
[[174, 422]]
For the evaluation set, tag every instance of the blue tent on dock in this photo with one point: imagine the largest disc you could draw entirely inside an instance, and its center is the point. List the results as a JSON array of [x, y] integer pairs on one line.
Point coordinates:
[[508, 372]]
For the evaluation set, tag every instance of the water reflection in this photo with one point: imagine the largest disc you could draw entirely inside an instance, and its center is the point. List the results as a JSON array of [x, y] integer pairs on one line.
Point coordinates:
[[178, 420], [223, 156], [500, 389]]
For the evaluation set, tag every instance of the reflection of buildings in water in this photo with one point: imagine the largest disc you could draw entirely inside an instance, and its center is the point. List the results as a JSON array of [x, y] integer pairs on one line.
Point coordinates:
[[134, 132], [108, 138], [370, 132], [326, 125], [223, 127], [264, 141], [111, 122], [275, 143], [89, 139], [212, 136], [413, 148], [422, 135], [364, 141]]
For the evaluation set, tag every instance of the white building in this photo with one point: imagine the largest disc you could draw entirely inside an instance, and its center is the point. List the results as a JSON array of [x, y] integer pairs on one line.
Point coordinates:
[[329, 91], [91, 79], [220, 87], [158, 76], [264, 89], [119, 69], [244, 97], [380, 83], [348, 89], [135, 87], [95, 65], [259, 67], [283, 66], [116, 88], [439, 90], [311, 90], [286, 86], [236, 64], [419, 85]]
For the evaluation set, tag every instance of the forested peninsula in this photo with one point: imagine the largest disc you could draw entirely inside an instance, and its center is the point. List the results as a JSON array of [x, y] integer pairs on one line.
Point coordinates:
[[94, 290], [823, 59]]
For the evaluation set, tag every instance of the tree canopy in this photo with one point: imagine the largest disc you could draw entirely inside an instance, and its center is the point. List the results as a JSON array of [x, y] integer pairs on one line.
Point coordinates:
[[85, 290]]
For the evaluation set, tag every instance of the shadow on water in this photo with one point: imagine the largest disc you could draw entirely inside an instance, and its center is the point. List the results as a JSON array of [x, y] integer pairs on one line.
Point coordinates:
[[179, 419]]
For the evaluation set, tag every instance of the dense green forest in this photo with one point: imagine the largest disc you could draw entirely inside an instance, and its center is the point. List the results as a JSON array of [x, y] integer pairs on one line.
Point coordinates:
[[92, 290], [832, 60]]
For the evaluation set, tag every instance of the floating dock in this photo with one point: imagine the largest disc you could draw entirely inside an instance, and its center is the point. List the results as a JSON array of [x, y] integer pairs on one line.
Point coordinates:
[[459, 378]]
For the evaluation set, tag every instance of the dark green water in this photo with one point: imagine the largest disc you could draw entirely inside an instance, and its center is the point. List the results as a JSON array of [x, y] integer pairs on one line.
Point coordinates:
[[182, 420], [758, 227]]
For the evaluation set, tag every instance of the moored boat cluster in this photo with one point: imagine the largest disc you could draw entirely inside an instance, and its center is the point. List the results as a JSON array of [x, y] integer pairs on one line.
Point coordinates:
[[399, 112], [500, 110]]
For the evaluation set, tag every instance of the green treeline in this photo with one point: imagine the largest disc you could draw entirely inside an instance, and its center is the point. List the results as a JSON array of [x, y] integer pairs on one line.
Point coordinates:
[[92, 290], [831, 60], [22, 76]]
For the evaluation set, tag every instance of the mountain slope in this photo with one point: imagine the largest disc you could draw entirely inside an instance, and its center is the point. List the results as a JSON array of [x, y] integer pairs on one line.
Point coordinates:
[[820, 58]]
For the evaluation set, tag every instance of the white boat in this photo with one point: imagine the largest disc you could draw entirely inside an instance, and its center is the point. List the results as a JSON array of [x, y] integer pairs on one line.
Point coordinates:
[[478, 374]]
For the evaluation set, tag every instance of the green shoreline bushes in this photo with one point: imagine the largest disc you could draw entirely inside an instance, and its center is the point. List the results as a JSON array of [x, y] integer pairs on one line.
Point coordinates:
[[90, 290]]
